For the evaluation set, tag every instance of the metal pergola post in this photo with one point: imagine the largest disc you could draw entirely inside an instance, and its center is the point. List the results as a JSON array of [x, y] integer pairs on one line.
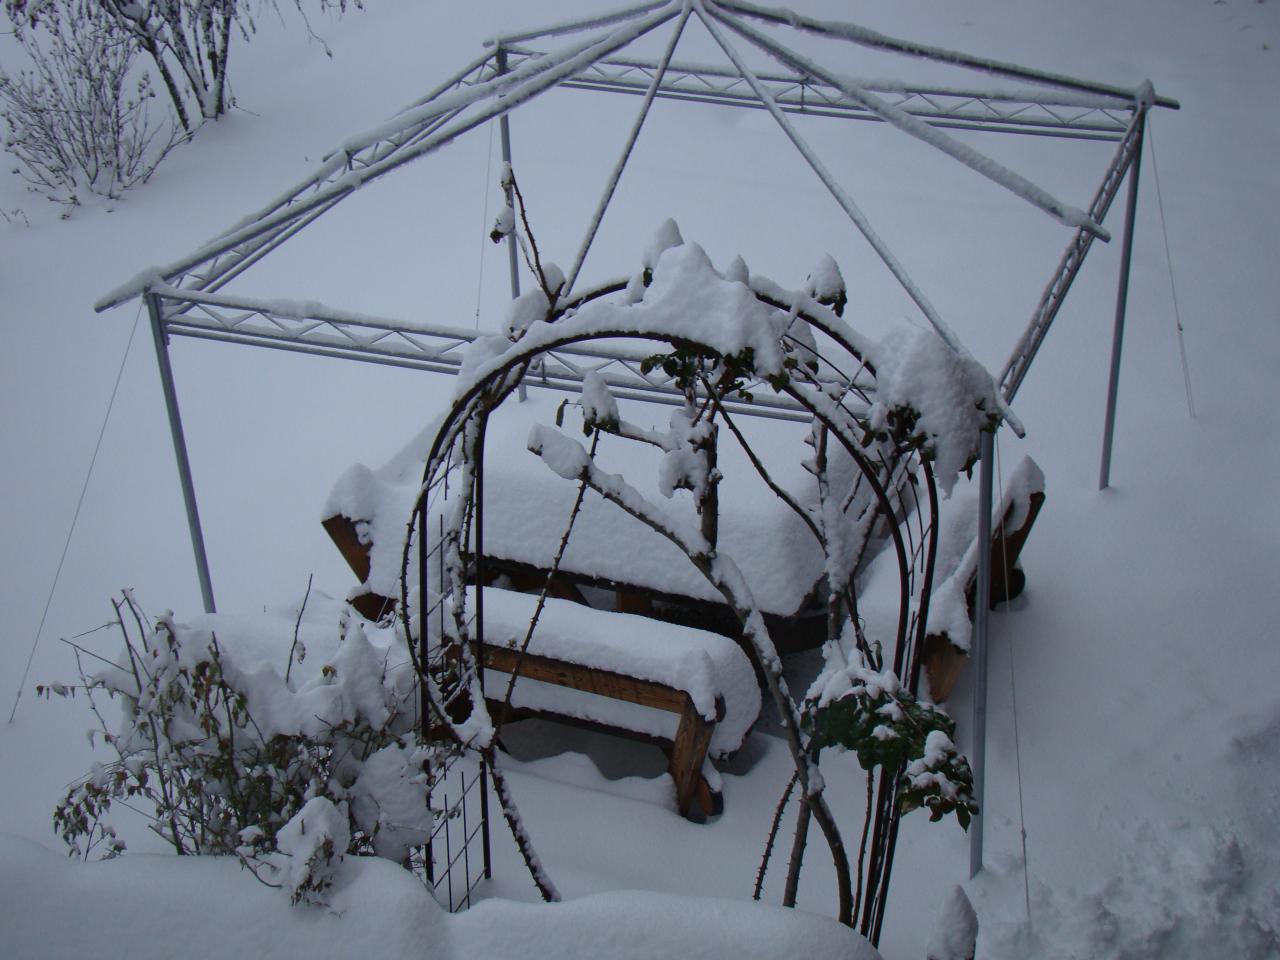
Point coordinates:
[[978, 650], [1122, 302], [161, 338]]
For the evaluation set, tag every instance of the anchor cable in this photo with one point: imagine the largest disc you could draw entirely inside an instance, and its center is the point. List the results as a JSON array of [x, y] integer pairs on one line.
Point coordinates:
[[484, 221], [76, 515], [1173, 289]]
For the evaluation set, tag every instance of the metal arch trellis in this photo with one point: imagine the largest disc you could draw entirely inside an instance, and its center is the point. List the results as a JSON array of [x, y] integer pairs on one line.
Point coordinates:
[[186, 297], [449, 673]]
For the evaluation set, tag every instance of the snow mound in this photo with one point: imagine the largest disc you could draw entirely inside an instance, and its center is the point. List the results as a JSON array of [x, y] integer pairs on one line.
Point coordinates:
[[142, 906]]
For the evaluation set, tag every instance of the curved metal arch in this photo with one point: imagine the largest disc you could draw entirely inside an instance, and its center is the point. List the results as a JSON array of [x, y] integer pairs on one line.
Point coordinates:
[[497, 385]]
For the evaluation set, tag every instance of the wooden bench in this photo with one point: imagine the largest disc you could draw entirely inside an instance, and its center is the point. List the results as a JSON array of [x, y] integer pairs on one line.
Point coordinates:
[[686, 744], [1017, 512], [696, 797], [691, 692]]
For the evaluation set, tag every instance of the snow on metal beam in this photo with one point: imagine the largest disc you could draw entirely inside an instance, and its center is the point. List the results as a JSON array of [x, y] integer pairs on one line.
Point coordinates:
[[434, 120], [913, 126], [394, 144], [1016, 111], [1055, 291], [314, 328], [577, 25], [871, 38]]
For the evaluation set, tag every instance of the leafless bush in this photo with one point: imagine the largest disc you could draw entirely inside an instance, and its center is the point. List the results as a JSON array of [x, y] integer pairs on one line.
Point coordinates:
[[187, 42], [77, 116]]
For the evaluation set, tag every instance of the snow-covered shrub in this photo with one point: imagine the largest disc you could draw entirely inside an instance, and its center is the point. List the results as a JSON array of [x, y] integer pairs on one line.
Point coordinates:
[[309, 846], [76, 117], [932, 399], [871, 714], [234, 758]]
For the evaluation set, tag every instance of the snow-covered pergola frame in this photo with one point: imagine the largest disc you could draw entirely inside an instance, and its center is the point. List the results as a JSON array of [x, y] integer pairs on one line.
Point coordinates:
[[189, 297], [184, 297]]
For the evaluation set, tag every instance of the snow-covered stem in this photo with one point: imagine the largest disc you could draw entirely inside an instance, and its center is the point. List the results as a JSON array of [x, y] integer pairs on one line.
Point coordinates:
[[833, 417], [138, 670], [524, 844], [759, 467], [293, 647], [866, 832], [803, 815], [630, 431], [725, 576], [841, 598], [546, 586], [532, 257], [708, 503], [774, 824]]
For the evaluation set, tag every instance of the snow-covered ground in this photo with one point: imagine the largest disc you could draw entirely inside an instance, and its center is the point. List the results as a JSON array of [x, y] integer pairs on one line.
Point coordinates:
[[1141, 658]]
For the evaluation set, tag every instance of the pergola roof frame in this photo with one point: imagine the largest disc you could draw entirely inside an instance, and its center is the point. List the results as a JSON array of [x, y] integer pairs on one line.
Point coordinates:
[[402, 139], [184, 297]]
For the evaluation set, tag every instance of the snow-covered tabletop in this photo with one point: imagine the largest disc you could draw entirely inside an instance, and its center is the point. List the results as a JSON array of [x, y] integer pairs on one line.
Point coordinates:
[[527, 507]]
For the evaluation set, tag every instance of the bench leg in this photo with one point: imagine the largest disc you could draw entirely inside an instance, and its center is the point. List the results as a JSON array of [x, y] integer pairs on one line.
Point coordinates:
[[687, 755], [710, 801]]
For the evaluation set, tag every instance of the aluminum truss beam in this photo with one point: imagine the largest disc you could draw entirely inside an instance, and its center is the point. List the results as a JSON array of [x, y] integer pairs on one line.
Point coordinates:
[[417, 131], [1079, 116], [336, 166], [1019, 362], [1094, 113], [852, 33], [315, 329]]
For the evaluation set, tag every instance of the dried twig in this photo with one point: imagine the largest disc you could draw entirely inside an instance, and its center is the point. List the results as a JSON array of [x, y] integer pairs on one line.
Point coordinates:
[[296, 626]]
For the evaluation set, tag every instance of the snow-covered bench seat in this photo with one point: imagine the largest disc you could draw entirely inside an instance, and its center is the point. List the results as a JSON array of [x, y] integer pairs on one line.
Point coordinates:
[[692, 691], [955, 573]]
